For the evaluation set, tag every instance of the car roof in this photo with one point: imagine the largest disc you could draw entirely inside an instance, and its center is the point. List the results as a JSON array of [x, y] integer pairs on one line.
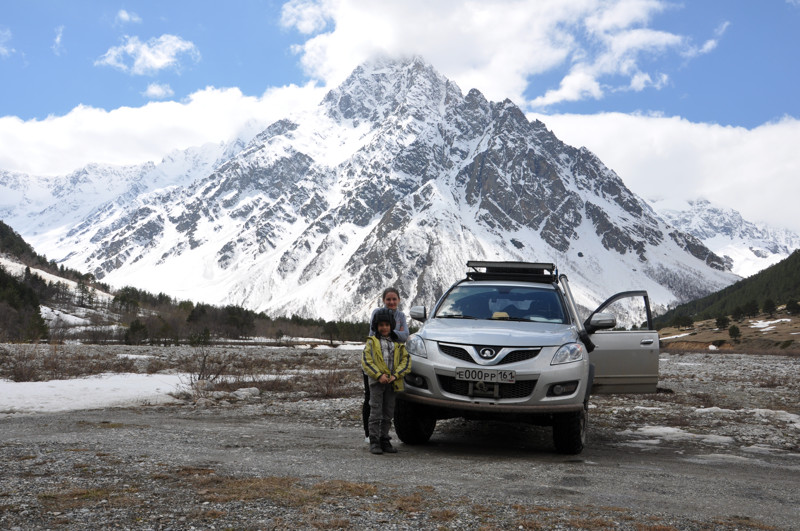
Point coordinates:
[[508, 283]]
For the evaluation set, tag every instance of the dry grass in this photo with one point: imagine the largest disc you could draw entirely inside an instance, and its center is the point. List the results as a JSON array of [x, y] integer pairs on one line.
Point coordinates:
[[33, 363], [283, 491], [320, 375], [781, 338], [78, 498]]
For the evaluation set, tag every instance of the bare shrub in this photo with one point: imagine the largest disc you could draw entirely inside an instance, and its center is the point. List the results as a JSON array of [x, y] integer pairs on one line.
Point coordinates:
[[332, 383], [206, 365], [30, 363], [24, 367], [53, 364], [155, 365], [770, 382]]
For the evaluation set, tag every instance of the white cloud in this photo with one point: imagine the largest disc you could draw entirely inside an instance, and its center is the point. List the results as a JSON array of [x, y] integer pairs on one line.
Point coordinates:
[[5, 39], [307, 16], [751, 170], [708, 46], [58, 145], [142, 58], [498, 46], [58, 47], [642, 80], [126, 17], [158, 91]]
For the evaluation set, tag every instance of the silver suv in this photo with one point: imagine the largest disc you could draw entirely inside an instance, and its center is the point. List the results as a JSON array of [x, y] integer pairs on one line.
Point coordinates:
[[507, 343]]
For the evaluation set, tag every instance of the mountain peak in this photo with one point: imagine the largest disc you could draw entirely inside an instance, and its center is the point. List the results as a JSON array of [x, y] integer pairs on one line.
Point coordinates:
[[746, 247], [384, 87]]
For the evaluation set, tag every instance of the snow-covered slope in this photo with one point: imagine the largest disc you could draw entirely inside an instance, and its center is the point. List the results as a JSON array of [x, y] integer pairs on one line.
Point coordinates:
[[396, 178], [746, 247]]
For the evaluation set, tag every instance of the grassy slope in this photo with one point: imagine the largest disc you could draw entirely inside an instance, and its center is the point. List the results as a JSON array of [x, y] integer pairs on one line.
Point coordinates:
[[781, 334]]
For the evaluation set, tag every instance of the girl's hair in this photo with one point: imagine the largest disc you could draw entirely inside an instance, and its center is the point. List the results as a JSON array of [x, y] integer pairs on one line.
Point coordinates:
[[388, 291]]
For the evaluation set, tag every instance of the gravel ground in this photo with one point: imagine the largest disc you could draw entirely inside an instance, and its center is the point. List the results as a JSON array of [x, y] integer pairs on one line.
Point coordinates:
[[718, 448]]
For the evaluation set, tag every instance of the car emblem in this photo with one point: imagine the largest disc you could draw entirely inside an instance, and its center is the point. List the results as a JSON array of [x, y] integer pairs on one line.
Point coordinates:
[[487, 353]]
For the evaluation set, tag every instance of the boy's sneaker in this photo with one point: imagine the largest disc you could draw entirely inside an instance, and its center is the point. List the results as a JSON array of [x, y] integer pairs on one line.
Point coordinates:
[[366, 439], [386, 446], [375, 447]]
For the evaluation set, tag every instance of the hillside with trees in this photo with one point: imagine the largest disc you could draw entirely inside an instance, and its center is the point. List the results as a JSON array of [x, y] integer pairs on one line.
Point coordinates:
[[764, 292], [92, 312], [20, 319]]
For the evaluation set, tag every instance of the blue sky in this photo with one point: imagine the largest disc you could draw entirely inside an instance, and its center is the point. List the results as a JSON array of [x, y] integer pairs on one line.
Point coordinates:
[[682, 99]]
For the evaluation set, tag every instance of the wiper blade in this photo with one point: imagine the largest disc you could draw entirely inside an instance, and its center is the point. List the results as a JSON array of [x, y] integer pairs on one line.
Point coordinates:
[[456, 316]]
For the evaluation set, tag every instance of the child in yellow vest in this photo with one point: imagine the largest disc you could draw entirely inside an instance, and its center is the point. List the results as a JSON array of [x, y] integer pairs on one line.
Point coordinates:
[[385, 361]]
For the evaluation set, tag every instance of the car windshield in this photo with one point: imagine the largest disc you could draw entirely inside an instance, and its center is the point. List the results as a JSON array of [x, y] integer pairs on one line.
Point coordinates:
[[512, 303]]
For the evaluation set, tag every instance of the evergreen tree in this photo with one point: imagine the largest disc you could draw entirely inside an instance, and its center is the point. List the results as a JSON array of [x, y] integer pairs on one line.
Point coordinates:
[[750, 308], [20, 316], [683, 321]]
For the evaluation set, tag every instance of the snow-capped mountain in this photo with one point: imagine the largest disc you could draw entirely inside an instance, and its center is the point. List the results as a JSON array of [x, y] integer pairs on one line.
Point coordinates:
[[396, 178], [746, 247]]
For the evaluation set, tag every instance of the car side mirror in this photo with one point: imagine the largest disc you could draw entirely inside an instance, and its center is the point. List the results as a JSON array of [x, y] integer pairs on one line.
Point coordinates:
[[601, 321], [420, 313]]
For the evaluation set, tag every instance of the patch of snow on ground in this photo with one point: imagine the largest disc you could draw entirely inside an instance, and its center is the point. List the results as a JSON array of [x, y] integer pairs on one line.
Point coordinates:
[[95, 392], [768, 324], [668, 433], [785, 416], [677, 336], [712, 410]]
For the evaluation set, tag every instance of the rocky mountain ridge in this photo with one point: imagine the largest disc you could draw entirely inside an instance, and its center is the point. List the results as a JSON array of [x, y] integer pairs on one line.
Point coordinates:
[[746, 247], [397, 178]]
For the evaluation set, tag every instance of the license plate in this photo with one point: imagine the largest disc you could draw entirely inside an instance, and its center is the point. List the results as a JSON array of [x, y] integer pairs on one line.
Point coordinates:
[[485, 375]]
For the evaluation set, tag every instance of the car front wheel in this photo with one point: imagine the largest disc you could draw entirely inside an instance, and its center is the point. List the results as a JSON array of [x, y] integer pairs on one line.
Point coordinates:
[[412, 423], [569, 431]]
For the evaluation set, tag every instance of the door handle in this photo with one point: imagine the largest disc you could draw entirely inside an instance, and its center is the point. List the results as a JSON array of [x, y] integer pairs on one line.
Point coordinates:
[[646, 342]]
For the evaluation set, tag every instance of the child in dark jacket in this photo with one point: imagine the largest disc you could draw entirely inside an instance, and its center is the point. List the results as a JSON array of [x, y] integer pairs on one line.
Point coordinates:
[[385, 361], [391, 301]]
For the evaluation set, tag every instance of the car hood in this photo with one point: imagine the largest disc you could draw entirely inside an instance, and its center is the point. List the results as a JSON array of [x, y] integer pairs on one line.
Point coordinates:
[[498, 333]]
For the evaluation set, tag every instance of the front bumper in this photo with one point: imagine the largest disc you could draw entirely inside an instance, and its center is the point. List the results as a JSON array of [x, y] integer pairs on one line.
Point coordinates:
[[488, 407], [432, 382]]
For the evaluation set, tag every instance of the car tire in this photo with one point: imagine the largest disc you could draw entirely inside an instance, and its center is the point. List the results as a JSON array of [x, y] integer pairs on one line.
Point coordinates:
[[412, 423], [569, 432]]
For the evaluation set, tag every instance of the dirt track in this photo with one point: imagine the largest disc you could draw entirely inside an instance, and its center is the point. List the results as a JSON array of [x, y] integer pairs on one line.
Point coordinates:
[[721, 451]]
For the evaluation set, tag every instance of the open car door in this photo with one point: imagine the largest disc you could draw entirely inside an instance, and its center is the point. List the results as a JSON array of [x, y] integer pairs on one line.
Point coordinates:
[[625, 361]]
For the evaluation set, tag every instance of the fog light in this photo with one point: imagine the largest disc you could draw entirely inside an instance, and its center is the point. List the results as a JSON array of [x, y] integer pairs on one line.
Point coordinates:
[[416, 380], [562, 388]]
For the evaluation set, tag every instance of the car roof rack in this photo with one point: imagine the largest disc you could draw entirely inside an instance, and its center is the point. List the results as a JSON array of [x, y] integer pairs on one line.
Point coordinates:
[[523, 271]]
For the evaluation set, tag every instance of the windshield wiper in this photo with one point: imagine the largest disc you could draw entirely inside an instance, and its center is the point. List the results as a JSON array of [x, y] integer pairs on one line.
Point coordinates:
[[456, 316]]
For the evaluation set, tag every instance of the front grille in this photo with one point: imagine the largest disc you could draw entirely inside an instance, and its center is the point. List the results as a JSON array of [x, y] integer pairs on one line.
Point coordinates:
[[456, 352], [520, 389], [512, 357], [519, 355]]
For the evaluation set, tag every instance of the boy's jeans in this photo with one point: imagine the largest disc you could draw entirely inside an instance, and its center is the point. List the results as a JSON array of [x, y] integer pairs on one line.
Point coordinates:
[[381, 408]]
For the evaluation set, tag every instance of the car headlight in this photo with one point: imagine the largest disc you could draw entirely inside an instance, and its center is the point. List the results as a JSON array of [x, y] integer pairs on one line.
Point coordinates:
[[569, 353], [416, 346]]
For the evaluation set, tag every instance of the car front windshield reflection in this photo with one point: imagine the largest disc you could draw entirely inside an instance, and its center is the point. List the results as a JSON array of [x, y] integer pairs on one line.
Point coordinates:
[[509, 303]]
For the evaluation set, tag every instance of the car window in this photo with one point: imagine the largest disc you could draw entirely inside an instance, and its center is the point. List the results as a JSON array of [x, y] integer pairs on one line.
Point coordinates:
[[517, 303], [630, 312]]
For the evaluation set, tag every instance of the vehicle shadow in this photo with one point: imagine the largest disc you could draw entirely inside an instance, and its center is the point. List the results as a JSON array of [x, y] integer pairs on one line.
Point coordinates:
[[496, 439]]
